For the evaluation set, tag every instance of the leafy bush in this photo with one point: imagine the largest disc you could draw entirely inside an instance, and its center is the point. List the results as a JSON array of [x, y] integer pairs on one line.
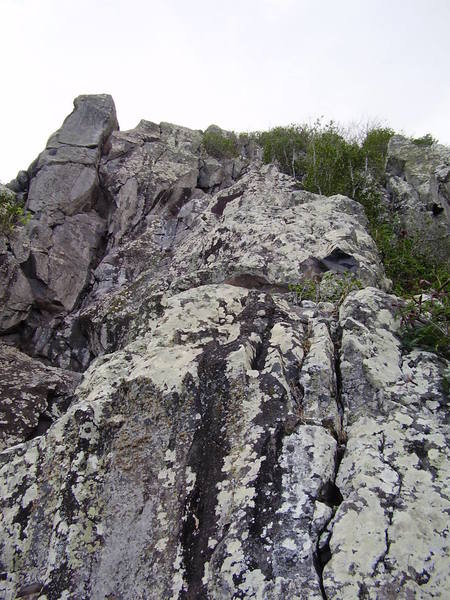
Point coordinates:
[[426, 140], [426, 321], [374, 149], [287, 146], [218, 145], [332, 163], [11, 212], [323, 157]]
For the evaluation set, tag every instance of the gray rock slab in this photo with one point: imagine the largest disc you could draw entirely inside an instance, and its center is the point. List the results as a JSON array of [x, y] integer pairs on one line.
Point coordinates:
[[32, 396]]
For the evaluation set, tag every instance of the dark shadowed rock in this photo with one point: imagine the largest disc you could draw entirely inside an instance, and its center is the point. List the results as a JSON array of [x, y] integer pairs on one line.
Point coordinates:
[[32, 396], [16, 295]]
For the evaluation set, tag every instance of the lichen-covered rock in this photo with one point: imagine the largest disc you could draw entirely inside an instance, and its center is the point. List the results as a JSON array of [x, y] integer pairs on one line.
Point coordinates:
[[389, 535], [184, 468], [418, 179], [260, 233], [227, 439]]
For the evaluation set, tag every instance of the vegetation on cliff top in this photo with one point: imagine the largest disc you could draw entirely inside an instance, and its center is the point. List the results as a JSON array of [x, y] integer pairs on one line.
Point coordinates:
[[328, 161]]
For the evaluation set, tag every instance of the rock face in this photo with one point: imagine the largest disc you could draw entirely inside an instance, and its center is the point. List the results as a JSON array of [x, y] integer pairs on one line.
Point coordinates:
[[225, 440], [418, 179]]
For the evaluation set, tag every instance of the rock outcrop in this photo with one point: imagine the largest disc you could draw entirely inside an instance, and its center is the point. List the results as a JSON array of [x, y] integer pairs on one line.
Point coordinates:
[[175, 422], [418, 180]]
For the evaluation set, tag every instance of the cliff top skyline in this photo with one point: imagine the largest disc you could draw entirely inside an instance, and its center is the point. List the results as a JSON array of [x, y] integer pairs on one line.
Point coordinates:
[[245, 66]]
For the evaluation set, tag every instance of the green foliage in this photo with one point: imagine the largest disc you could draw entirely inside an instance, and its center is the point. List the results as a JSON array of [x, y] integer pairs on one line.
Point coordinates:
[[425, 140], [11, 212], [374, 149], [332, 287], [220, 146], [426, 321], [332, 163], [323, 157], [287, 146]]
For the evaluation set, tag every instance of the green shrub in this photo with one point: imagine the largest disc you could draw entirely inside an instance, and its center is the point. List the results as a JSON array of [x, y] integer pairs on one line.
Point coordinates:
[[324, 159], [374, 149], [218, 145], [287, 146], [425, 140], [426, 321], [12, 213], [333, 164]]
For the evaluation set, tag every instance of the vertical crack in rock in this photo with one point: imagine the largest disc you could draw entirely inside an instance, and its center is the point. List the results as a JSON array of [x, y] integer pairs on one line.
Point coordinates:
[[330, 493], [390, 503], [206, 458]]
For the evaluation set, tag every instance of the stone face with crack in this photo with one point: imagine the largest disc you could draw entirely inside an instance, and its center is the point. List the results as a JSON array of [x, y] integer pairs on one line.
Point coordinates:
[[225, 440], [389, 536]]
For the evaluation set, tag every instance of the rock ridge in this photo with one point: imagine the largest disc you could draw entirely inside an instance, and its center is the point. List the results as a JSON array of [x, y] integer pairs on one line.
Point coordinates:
[[174, 422]]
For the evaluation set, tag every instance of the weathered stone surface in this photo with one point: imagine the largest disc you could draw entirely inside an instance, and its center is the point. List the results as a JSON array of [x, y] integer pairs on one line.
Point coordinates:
[[226, 440], [16, 296], [418, 179], [89, 125], [257, 233], [389, 535], [225, 481], [66, 203], [32, 396]]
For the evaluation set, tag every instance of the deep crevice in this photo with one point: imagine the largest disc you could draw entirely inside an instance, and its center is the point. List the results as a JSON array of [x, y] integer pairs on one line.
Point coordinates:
[[330, 493]]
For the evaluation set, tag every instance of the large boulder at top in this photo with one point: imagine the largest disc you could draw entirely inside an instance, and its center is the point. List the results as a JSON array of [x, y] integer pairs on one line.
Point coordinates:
[[227, 438], [89, 125], [66, 203], [418, 179]]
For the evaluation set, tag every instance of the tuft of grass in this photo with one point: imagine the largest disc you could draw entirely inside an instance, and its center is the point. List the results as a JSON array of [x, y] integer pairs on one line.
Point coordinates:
[[331, 287]]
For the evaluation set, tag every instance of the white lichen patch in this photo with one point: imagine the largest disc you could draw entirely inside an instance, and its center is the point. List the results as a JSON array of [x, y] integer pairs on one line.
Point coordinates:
[[390, 531]]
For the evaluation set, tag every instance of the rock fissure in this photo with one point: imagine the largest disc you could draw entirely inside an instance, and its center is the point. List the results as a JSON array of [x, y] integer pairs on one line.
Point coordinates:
[[391, 503]]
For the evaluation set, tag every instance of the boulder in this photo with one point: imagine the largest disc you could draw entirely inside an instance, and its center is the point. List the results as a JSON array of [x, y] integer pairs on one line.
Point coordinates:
[[65, 200]]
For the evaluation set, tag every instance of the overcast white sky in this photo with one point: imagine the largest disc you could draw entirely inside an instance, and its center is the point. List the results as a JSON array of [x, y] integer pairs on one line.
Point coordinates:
[[242, 64]]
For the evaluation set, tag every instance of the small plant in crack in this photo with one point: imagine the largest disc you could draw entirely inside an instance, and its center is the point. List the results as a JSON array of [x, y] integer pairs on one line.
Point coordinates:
[[12, 213], [330, 287]]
